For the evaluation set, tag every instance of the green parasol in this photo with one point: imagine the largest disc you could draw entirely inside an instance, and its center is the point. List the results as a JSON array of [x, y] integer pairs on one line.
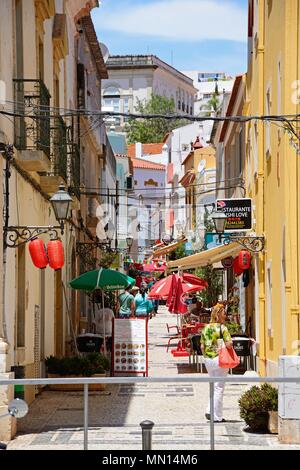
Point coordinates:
[[105, 279]]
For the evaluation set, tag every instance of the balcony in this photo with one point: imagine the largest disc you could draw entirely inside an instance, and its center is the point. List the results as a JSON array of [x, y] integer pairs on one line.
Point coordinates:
[[32, 135], [58, 173]]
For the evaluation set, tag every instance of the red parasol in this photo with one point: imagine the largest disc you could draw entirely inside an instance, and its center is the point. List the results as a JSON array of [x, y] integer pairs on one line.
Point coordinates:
[[162, 288], [171, 296], [179, 307], [154, 267]]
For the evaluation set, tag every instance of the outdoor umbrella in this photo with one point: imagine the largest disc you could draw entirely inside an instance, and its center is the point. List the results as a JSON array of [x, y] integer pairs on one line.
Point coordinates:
[[154, 267], [179, 308], [104, 279], [171, 296], [162, 288]]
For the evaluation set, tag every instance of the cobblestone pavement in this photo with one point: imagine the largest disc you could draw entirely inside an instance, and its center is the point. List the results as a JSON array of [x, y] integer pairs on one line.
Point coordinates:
[[55, 419]]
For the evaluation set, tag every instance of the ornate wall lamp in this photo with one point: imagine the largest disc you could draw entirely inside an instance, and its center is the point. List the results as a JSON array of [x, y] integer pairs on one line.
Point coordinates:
[[16, 235], [251, 242]]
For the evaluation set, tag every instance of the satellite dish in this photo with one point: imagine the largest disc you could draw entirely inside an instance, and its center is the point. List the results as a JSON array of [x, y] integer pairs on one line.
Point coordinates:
[[104, 51]]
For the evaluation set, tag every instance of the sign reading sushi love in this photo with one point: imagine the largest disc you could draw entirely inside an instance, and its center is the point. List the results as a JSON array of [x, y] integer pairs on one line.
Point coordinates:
[[130, 346], [238, 213]]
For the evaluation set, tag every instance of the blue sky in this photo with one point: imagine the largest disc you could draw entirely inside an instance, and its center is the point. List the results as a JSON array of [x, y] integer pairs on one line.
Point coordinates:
[[189, 34]]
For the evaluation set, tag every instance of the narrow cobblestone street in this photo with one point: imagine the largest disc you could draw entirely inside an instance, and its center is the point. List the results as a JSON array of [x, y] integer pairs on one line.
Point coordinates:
[[55, 420]]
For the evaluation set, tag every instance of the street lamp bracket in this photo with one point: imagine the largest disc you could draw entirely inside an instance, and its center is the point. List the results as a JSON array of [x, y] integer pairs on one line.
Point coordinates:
[[251, 243]]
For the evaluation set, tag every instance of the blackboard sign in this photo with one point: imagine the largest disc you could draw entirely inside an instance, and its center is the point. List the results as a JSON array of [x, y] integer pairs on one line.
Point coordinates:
[[238, 213]]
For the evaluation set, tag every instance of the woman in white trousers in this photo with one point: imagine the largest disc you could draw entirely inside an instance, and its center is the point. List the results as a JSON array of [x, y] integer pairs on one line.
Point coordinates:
[[212, 338]]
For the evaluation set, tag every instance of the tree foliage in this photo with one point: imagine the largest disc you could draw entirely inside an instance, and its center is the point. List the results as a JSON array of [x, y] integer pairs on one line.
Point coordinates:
[[213, 276], [152, 130], [178, 253]]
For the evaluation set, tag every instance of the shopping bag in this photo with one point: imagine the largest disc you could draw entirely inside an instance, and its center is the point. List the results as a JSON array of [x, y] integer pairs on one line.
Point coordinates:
[[228, 358]]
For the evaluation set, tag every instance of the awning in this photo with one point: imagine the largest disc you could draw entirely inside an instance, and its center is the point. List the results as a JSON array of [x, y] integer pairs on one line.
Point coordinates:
[[168, 248], [188, 178], [207, 257]]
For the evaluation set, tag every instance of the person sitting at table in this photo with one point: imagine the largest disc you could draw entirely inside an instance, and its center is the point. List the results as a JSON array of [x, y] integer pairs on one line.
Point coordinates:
[[143, 306], [198, 310], [103, 326]]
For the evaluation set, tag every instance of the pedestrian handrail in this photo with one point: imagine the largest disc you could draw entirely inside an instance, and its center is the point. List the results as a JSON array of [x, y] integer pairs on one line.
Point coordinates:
[[147, 436], [130, 380]]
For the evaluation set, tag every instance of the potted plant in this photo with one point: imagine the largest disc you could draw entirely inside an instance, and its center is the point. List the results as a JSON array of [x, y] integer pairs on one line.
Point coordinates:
[[255, 405], [92, 365]]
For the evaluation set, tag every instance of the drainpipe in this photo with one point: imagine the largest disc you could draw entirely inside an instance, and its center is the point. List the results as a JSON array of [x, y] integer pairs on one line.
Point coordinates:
[[8, 152]]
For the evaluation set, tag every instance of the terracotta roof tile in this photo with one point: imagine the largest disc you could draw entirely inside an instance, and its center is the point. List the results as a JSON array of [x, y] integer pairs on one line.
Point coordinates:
[[141, 163]]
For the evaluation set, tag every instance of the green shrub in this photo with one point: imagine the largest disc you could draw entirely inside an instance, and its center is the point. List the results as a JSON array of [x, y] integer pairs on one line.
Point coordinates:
[[93, 363], [234, 328], [254, 406]]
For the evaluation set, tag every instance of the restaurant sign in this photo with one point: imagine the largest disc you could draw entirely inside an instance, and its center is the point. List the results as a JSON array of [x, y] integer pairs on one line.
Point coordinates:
[[238, 213]]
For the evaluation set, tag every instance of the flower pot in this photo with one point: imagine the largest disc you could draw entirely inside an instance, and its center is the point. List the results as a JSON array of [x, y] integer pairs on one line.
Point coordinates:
[[74, 387], [273, 422]]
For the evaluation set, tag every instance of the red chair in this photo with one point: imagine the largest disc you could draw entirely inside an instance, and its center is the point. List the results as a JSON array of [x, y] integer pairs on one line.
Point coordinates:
[[173, 326]]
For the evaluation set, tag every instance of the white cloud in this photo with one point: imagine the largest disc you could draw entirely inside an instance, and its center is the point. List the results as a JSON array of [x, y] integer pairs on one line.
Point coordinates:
[[183, 20]]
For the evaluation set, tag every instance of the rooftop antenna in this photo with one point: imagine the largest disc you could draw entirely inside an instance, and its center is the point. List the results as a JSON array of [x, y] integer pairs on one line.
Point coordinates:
[[172, 58]]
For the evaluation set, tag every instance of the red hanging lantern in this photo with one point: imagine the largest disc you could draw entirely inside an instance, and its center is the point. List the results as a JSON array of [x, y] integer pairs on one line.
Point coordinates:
[[38, 253], [56, 254], [244, 259], [236, 266]]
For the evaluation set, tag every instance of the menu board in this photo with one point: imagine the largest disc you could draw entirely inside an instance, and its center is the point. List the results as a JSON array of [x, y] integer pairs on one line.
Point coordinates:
[[130, 346]]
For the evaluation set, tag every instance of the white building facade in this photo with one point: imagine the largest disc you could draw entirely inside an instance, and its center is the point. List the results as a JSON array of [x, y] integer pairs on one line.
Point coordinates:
[[134, 78], [206, 83]]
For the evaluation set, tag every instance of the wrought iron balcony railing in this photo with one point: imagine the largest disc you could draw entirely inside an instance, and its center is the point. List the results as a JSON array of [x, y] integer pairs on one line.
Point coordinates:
[[32, 98]]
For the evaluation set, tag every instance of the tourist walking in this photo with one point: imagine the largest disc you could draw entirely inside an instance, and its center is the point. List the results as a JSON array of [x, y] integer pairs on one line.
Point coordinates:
[[213, 336], [143, 306]]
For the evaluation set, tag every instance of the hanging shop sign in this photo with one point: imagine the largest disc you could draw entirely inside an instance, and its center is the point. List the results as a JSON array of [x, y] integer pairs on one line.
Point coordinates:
[[227, 262], [238, 213]]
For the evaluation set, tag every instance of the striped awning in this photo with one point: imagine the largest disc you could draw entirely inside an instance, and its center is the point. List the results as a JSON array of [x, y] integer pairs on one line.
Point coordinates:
[[205, 258], [169, 248]]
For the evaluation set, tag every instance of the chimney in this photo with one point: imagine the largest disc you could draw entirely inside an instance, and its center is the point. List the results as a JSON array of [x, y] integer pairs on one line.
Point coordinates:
[[138, 150]]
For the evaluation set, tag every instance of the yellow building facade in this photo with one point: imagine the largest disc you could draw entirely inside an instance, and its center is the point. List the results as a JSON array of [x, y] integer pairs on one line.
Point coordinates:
[[272, 173]]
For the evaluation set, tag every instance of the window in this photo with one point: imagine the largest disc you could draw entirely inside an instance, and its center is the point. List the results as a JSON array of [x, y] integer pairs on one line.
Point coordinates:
[[126, 105], [111, 99], [126, 108]]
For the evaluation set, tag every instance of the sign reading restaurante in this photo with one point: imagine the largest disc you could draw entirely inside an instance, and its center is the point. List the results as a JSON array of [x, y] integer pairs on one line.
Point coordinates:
[[238, 213]]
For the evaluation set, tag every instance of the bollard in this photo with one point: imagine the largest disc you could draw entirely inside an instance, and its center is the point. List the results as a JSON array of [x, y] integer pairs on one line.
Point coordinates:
[[146, 434]]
